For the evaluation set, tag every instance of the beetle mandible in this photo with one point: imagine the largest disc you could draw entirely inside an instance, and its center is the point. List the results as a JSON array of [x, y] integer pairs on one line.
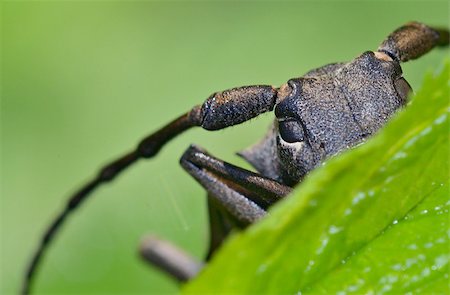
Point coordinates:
[[327, 110]]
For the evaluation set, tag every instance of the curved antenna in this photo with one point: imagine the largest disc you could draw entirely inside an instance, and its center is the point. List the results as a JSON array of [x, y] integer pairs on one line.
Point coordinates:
[[147, 148], [220, 110]]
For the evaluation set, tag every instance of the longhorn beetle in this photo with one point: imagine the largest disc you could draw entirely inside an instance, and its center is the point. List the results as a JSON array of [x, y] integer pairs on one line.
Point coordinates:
[[327, 110]]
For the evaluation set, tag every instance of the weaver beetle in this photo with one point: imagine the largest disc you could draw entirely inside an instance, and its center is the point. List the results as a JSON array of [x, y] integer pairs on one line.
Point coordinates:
[[327, 110]]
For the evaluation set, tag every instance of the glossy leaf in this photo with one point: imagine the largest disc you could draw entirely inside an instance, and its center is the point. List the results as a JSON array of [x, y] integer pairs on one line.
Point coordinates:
[[374, 219]]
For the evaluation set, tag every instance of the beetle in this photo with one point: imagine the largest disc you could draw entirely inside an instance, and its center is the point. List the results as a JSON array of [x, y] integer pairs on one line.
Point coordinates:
[[325, 111]]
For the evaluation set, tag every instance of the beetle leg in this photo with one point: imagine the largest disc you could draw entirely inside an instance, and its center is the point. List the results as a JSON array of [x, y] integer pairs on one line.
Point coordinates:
[[220, 226], [177, 263], [171, 259]]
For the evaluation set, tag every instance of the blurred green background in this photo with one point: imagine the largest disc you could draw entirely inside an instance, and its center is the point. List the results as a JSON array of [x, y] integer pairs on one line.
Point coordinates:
[[82, 82]]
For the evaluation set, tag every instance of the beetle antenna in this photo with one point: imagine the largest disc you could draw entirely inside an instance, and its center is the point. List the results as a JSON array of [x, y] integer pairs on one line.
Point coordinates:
[[147, 148], [413, 40], [220, 110]]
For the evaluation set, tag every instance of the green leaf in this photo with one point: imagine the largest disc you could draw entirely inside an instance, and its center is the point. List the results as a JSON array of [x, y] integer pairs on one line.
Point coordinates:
[[372, 220]]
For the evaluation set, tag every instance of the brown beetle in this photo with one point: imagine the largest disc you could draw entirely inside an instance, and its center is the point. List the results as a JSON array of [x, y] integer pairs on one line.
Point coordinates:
[[327, 110]]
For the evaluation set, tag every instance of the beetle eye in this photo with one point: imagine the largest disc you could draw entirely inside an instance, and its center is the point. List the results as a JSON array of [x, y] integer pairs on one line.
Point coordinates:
[[403, 88], [291, 131]]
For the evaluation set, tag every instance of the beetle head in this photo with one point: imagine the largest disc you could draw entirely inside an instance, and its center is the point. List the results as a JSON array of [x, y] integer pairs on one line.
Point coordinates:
[[335, 107]]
